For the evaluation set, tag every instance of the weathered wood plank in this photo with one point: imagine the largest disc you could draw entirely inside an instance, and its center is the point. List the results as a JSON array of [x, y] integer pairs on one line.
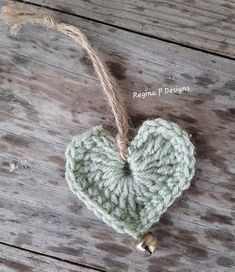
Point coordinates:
[[203, 24], [54, 219], [17, 260], [36, 221], [41, 122], [199, 215], [46, 101]]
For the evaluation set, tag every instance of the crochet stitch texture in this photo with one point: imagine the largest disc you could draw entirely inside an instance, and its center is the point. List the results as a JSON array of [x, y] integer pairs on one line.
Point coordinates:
[[130, 199]]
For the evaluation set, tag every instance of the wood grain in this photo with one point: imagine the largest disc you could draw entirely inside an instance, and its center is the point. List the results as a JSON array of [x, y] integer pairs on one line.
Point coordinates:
[[16, 260], [202, 24], [49, 93]]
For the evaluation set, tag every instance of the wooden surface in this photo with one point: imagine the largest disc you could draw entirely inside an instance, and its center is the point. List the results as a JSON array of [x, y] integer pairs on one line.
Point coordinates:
[[49, 93], [13, 259], [202, 24]]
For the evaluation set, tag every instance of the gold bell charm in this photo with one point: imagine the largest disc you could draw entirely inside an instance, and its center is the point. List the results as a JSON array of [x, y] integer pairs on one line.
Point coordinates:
[[147, 243]]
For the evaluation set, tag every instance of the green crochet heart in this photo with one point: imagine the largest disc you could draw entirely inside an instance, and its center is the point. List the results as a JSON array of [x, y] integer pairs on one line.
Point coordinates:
[[130, 199]]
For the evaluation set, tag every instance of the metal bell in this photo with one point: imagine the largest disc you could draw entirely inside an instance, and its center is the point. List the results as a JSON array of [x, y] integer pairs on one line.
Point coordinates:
[[147, 243]]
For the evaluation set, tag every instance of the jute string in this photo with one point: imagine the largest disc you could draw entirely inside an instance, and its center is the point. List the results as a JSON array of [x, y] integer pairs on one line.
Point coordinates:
[[16, 15]]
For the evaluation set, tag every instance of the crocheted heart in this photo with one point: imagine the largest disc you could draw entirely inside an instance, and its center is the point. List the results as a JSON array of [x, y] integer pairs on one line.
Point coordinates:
[[131, 197]]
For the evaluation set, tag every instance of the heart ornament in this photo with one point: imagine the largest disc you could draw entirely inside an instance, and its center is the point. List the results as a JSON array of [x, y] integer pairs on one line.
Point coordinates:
[[127, 184], [130, 196]]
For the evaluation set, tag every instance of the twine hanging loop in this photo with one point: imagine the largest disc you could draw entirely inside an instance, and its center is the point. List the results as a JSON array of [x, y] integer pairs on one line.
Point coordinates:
[[16, 15]]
